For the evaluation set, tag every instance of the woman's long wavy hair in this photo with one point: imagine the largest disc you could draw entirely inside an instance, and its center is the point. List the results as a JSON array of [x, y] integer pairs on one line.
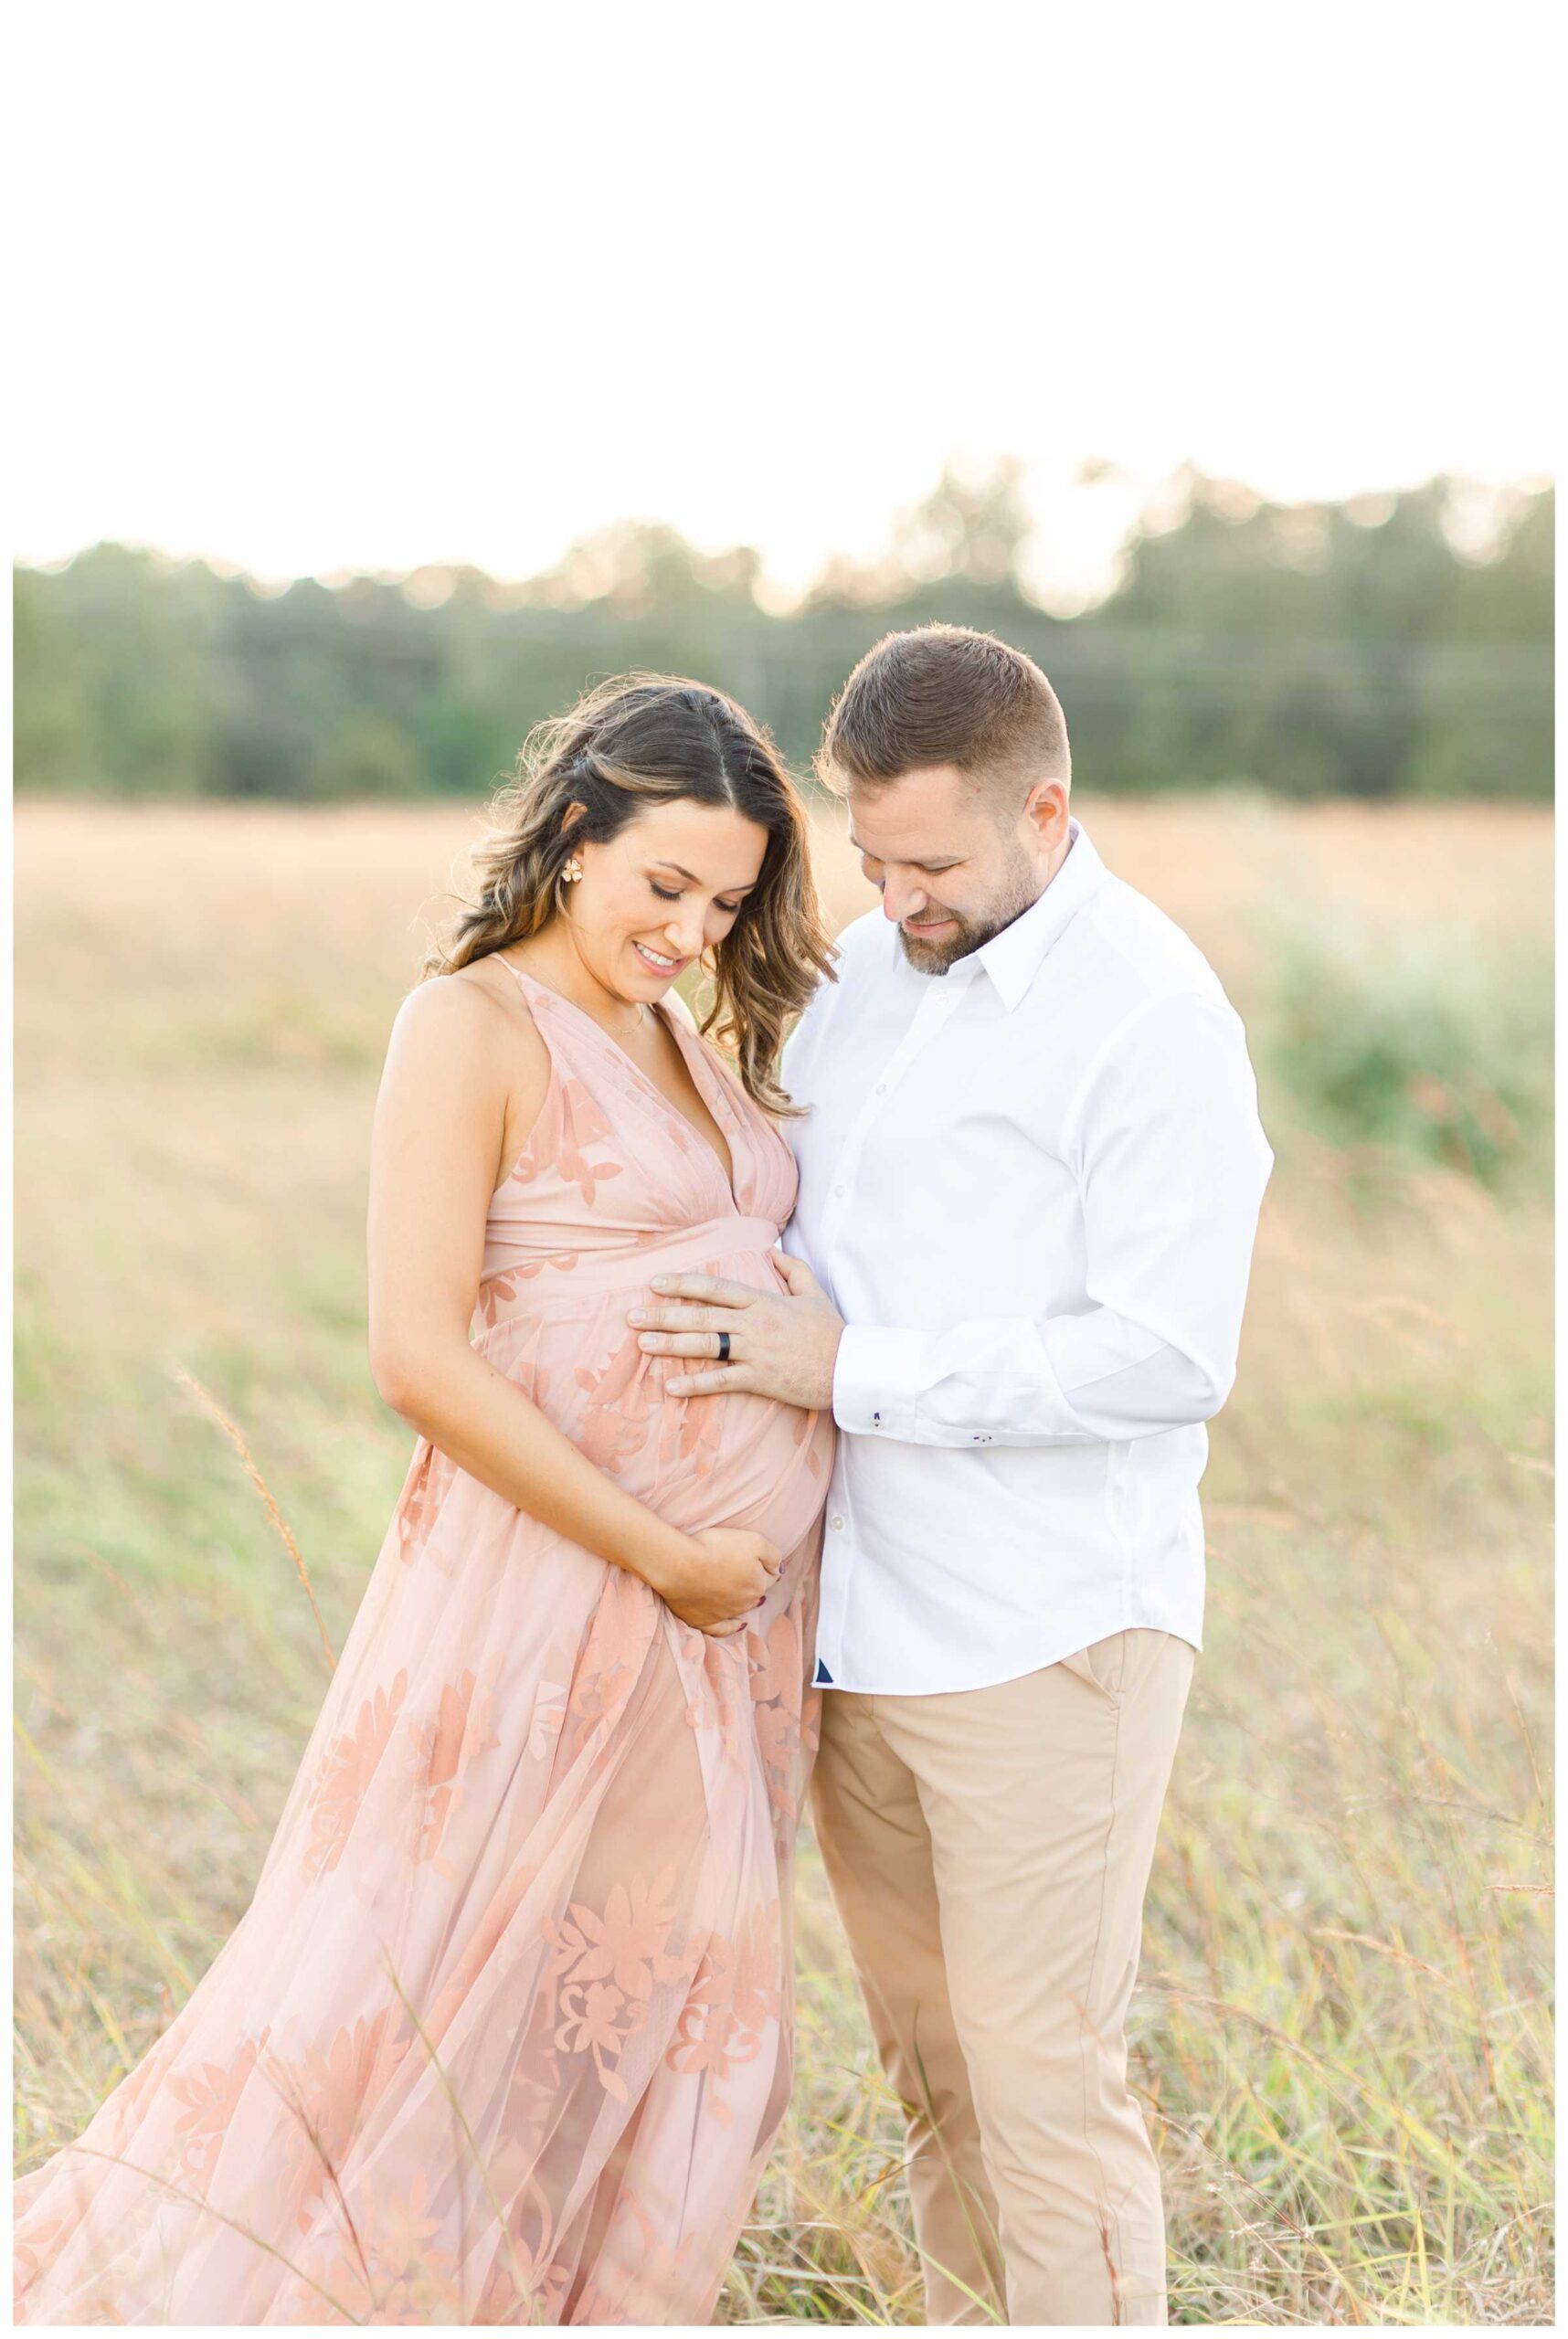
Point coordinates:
[[631, 742]]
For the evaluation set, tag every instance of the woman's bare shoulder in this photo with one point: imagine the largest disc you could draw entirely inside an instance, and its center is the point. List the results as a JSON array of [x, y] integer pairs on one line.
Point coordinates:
[[473, 1022]]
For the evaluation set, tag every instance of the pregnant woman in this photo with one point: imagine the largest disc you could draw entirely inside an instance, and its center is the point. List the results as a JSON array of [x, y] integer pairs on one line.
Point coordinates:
[[506, 2032]]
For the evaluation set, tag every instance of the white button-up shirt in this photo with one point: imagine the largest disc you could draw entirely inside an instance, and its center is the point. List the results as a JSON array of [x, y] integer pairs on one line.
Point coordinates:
[[1030, 1186]]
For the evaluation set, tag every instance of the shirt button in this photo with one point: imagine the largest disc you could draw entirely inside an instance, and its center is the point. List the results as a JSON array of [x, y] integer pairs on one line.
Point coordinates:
[[838, 1193], [882, 1089], [838, 1523]]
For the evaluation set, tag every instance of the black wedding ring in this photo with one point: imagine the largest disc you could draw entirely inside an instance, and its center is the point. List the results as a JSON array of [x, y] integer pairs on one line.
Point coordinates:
[[723, 1348]]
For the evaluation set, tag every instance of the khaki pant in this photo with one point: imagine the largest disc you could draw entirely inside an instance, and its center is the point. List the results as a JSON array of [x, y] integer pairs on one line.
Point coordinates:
[[988, 1851]]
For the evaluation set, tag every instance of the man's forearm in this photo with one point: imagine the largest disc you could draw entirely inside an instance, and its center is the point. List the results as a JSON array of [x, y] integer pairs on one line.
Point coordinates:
[[1008, 1381]]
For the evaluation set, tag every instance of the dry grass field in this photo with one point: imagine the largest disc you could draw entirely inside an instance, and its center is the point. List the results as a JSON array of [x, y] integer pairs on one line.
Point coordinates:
[[1341, 2032]]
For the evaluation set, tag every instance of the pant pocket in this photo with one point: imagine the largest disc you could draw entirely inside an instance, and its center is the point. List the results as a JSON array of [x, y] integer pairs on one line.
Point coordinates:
[[1102, 1665]]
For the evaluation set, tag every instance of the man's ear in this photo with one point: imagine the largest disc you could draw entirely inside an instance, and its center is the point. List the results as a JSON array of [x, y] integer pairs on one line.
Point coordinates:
[[1046, 810]]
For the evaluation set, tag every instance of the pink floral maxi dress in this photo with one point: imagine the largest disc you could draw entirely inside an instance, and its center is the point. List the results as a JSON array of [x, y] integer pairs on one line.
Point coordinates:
[[506, 2032]]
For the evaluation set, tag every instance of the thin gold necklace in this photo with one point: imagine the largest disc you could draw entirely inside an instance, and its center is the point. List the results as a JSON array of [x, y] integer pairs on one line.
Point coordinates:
[[623, 1031]]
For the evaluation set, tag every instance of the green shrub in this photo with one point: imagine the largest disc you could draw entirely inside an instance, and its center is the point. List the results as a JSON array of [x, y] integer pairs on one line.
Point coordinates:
[[1431, 1042]]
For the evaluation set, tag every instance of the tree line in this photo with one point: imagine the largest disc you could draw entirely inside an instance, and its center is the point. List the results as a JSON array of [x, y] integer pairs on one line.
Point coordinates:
[[1384, 646]]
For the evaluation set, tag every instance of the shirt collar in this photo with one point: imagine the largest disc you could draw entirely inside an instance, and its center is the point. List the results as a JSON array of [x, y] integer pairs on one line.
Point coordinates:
[[1012, 957]]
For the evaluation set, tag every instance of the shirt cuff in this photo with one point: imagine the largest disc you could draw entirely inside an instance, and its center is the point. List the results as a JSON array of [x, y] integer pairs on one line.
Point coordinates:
[[876, 1379]]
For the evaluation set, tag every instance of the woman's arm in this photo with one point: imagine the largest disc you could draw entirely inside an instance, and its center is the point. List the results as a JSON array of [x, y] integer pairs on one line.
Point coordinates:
[[454, 1057]]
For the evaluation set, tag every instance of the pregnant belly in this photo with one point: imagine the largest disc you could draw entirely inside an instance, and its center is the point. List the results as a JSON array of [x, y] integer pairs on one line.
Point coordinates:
[[740, 1460], [745, 1461]]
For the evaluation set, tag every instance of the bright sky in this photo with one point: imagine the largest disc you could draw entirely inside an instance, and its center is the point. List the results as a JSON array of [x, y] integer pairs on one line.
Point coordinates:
[[309, 287]]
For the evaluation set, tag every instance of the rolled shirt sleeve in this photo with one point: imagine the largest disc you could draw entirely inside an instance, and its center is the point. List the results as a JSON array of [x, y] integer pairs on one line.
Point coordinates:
[[1171, 1160]]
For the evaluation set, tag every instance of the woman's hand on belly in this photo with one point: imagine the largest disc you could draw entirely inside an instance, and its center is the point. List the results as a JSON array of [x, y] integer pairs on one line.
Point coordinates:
[[716, 1577]]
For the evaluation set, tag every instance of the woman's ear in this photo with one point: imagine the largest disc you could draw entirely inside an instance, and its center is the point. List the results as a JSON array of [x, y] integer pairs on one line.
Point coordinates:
[[570, 819]]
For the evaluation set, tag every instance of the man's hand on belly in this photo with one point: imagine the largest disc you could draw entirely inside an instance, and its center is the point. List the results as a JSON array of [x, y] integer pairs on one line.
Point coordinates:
[[782, 1347]]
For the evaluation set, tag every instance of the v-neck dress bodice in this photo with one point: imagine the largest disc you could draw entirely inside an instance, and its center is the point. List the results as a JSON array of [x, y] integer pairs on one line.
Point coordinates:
[[715, 1084], [612, 1167]]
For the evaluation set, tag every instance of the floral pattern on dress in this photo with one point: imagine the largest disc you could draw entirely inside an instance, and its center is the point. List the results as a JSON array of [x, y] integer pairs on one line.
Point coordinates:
[[458, 1733], [421, 1504], [736, 1999], [346, 1773], [210, 2096], [325, 2089], [578, 1127]]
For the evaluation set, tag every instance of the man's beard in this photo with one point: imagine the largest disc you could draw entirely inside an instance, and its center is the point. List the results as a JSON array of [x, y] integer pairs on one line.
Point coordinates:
[[1018, 894]]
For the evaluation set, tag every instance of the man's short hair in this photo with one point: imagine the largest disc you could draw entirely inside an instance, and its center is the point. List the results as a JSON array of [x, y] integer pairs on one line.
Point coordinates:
[[946, 694]]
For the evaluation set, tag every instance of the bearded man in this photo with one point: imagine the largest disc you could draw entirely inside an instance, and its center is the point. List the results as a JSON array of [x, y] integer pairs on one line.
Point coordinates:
[[1029, 1183]]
